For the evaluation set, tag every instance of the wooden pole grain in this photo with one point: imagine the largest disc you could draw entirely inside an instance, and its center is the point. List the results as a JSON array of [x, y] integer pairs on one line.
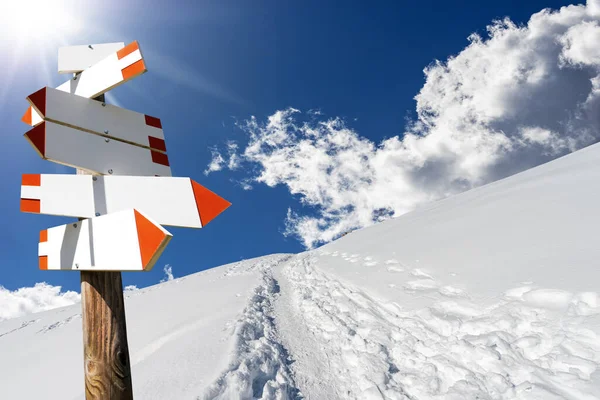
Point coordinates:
[[105, 349], [107, 366]]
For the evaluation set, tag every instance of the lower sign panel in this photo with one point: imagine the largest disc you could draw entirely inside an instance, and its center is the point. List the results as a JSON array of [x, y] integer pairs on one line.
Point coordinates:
[[94, 153], [122, 241]]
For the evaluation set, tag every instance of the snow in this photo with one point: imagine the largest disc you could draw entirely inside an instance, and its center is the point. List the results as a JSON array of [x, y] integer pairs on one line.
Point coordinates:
[[491, 294]]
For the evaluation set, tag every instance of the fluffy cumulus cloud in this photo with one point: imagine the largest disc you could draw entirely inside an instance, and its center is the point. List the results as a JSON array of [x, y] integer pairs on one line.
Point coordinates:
[[516, 98], [30, 300], [43, 297]]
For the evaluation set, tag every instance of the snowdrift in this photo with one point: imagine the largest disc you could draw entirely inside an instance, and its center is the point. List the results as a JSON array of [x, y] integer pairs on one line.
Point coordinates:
[[491, 294]]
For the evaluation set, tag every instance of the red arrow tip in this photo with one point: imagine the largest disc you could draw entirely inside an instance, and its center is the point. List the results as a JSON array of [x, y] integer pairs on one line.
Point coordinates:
[[37, 138], [38, 100], [209, 204]]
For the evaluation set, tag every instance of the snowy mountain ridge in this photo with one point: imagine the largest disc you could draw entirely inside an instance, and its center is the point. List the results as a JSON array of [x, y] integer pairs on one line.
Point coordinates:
[[491, 294]]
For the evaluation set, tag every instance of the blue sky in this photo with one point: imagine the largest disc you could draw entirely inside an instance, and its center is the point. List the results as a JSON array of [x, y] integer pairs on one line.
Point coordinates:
[[212, 63]]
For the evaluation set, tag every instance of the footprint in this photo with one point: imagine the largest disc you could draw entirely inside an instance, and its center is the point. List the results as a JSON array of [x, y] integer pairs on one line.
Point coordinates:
[[450, 291], [395, 269], [420, 274], [421, 284]]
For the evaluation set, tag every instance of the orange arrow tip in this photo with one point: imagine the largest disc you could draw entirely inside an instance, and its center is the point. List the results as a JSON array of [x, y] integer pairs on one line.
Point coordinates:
[[152, 240], [209, 204], [27, 116]]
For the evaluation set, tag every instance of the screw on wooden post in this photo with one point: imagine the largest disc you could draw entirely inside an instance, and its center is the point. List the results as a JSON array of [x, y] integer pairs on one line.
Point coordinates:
[[107, 365]]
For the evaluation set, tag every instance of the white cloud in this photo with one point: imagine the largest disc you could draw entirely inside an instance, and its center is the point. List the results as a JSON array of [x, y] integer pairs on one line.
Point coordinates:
[[28, 300], [234, 158], [216, 163], [43, 297], [168, 269], [520, 97]]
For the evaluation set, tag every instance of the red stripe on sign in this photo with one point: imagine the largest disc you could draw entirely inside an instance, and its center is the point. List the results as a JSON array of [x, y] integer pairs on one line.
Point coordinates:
[[153, 121], [38, 100], [160, 158], [127, 50], [156, 143], [30, 206], [31, 180], [135, 69], [27, 116], [44, 263], [44, 236]]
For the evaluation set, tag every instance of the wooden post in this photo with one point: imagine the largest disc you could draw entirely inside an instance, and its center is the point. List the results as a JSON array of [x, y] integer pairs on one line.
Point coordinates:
[[105, 350], [107, 366]]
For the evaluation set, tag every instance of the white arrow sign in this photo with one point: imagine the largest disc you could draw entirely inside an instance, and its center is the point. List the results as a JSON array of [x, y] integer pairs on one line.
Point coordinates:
[[99, 118], [96, 154], [170, 201], [124, 241], [114, 70], [73, 59]]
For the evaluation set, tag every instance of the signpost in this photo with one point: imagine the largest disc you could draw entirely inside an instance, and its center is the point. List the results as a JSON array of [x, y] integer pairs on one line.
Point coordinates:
[[112, 71], [74, 59], [170, 201], [96, 154], [123, 241], [121, 205], [99, 118]]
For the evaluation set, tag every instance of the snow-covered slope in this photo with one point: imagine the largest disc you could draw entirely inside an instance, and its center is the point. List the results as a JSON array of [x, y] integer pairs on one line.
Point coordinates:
[[182, 335], [492, 294]]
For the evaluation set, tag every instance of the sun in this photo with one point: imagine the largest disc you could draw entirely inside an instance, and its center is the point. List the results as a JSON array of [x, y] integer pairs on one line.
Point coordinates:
[[32, 31], [38, 22]]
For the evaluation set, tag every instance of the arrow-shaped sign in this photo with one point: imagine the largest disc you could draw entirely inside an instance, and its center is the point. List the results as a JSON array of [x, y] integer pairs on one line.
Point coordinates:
[[123, 241], [96, 154], [73, 59], [114, 70], [99, 118], [170, 201]]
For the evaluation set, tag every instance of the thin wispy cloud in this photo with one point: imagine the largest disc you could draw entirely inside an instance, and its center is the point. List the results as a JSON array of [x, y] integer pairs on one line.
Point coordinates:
[[216, 163], [519, 97], [168, 270]]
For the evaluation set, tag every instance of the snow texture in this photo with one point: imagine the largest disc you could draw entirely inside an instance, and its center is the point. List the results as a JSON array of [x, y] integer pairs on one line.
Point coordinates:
[[490, 294]]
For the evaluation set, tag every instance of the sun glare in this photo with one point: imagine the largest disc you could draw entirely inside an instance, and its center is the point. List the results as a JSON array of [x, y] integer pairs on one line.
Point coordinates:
[[45, 21], [32, 31]]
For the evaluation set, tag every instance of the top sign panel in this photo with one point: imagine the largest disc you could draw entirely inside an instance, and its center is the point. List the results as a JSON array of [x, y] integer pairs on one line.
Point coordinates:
[[72, 59], [112, 71]]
